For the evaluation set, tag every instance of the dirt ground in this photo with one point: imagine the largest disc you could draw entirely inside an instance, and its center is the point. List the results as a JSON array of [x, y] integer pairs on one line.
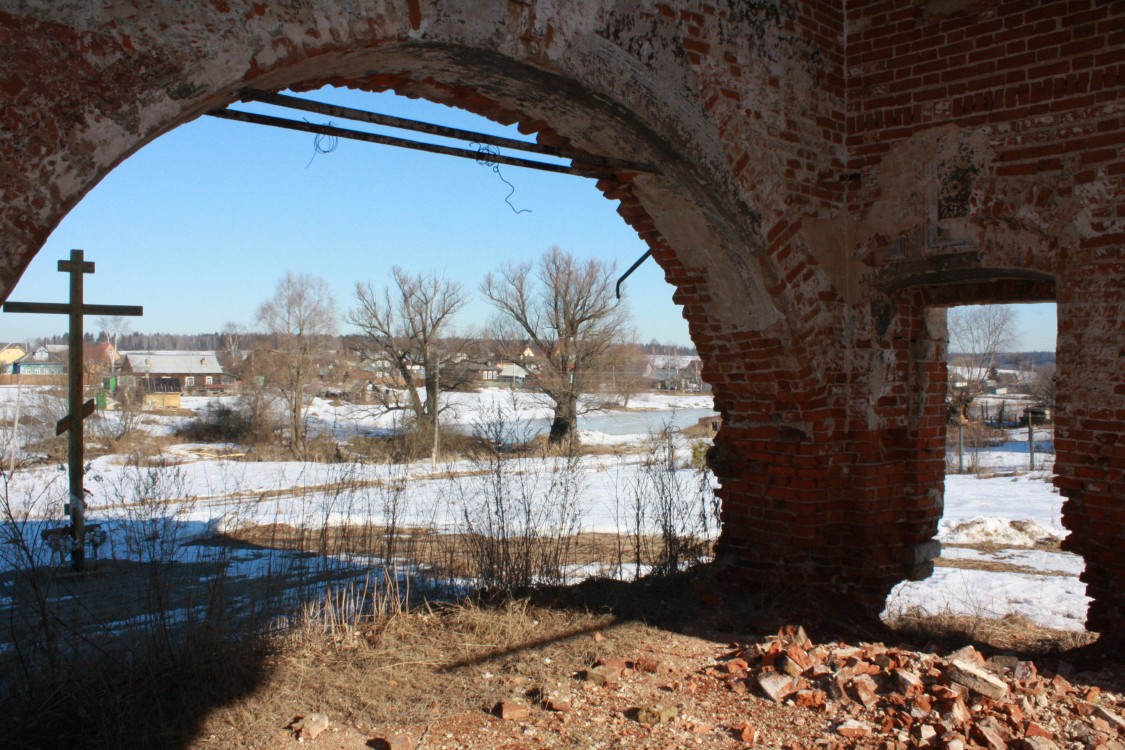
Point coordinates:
[[605, 664], [618, 666]]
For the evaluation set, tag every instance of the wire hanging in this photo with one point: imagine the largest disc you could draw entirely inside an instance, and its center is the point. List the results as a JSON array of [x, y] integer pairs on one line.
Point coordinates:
[[322, 144], [483, 152]]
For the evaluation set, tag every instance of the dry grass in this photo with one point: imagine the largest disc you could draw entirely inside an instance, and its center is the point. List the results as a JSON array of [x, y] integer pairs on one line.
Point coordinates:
[[407, 667], [446, 555], [366, 661], [994, 566], [1013, 632]]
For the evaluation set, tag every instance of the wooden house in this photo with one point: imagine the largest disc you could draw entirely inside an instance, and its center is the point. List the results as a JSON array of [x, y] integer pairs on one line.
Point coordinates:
[[186, 372]]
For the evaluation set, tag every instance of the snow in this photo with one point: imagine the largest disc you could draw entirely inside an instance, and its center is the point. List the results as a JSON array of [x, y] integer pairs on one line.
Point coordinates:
[[1016, 511], [203, 489], [1052, 601]]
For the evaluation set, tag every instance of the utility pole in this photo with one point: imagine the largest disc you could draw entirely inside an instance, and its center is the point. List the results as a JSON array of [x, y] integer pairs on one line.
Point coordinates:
[[77, 267], [961, 444], [434, 416]]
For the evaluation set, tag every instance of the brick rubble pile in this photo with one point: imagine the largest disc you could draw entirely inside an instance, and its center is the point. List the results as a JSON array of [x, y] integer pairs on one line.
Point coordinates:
[[879, 696]]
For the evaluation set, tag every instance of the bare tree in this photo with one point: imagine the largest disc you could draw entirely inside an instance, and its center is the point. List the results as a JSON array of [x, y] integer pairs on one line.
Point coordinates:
[[114, 327], [977, 335], [1042, 385], [571, 317], [300, 318], [230, 353], [404, 329], [622, 371]]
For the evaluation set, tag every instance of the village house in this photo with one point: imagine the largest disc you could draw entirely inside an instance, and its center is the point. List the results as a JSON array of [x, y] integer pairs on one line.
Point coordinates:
[[52, 359], [183, 372], [512, 375], [674, 373], [467, 373], [9, 353], [43, 360]]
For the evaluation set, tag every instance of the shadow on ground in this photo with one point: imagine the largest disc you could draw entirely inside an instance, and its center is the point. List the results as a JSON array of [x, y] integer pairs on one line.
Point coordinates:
[[174, 694]]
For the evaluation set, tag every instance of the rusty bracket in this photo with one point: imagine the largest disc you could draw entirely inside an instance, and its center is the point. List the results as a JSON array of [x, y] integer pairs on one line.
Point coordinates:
[[629, 272]]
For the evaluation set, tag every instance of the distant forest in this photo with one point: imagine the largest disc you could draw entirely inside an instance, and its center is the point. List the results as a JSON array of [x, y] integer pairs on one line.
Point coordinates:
[[220, 341], [1016, 360], [149, 341]]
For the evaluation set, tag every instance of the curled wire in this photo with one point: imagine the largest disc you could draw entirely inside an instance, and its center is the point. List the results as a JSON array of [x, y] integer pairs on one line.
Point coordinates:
[[323, 144], [484, 151]]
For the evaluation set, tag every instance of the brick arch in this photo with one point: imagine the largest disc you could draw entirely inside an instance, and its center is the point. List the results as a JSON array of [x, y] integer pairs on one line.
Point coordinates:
[[676, 210], [829, 170], [88, 91]]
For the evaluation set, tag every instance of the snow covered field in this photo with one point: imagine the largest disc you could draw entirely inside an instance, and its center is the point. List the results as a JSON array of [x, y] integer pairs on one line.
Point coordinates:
[[199, 492]]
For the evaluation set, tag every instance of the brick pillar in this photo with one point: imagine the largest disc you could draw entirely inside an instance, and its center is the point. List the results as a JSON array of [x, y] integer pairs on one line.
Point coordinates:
[[833, 478], [899, 476], [1090, 428]]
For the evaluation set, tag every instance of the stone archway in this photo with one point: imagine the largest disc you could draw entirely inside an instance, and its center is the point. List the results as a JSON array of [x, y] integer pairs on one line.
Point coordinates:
[[818, 160]]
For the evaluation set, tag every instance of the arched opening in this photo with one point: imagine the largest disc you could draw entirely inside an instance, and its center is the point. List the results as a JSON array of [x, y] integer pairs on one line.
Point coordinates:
[[675, 208], [228, 266], [1002, 576], [234, 205]]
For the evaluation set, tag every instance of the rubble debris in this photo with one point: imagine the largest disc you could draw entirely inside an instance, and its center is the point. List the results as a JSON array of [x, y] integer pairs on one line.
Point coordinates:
[[308, 726], [873, 695], [976, 679], [603, 675], [512, 710], [658, 713], [392, 742]]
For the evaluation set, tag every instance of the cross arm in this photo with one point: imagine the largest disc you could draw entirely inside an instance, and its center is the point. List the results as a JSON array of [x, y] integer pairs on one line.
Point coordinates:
[[63, 424], [76, 263], [63, 308]]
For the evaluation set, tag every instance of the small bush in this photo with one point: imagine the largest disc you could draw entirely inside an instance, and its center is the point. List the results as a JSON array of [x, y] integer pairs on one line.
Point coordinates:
[[247, 422], [414, 444], [678, 499]]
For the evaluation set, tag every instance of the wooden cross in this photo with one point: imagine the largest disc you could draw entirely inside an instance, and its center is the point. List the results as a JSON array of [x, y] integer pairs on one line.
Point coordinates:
[[72, 423]]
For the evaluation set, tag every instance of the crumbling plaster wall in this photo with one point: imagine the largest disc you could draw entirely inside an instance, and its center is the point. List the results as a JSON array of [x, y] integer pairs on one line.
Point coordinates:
[[825, 174]]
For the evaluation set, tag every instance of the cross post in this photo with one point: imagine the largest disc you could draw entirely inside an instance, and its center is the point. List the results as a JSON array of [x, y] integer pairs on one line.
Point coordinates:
[[77, 266]]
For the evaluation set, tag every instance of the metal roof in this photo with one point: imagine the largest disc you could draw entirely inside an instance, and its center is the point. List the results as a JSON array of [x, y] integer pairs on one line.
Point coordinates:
[[197, 363]]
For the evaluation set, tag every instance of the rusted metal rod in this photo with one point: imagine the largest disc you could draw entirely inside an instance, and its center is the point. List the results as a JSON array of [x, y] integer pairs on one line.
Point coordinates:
[[387, 140], [629, 272], [444, 131]]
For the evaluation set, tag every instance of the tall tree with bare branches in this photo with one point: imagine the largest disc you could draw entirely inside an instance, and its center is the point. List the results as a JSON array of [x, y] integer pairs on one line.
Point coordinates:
[[977, 334], [300, 318], [408, 326], [570, 317]]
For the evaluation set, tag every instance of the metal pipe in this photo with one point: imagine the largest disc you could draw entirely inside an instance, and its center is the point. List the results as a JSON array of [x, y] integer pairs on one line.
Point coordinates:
[[632, 268], [387, 140], [444, 131]]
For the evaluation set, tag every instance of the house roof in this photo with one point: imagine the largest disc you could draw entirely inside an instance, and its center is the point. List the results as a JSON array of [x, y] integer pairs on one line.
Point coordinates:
[[673, 361], [193, 363], [363, 375], [513, 371]]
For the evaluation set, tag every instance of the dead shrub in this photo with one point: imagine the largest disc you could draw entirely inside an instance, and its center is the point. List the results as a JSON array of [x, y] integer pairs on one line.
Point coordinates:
[[247, 422]]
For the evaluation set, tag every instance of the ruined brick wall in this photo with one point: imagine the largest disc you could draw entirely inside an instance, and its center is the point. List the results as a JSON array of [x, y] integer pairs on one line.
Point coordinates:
[[1007, 120], [827, 177]]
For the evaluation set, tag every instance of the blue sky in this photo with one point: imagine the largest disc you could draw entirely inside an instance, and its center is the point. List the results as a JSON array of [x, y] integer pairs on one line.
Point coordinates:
[[199, 225]]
